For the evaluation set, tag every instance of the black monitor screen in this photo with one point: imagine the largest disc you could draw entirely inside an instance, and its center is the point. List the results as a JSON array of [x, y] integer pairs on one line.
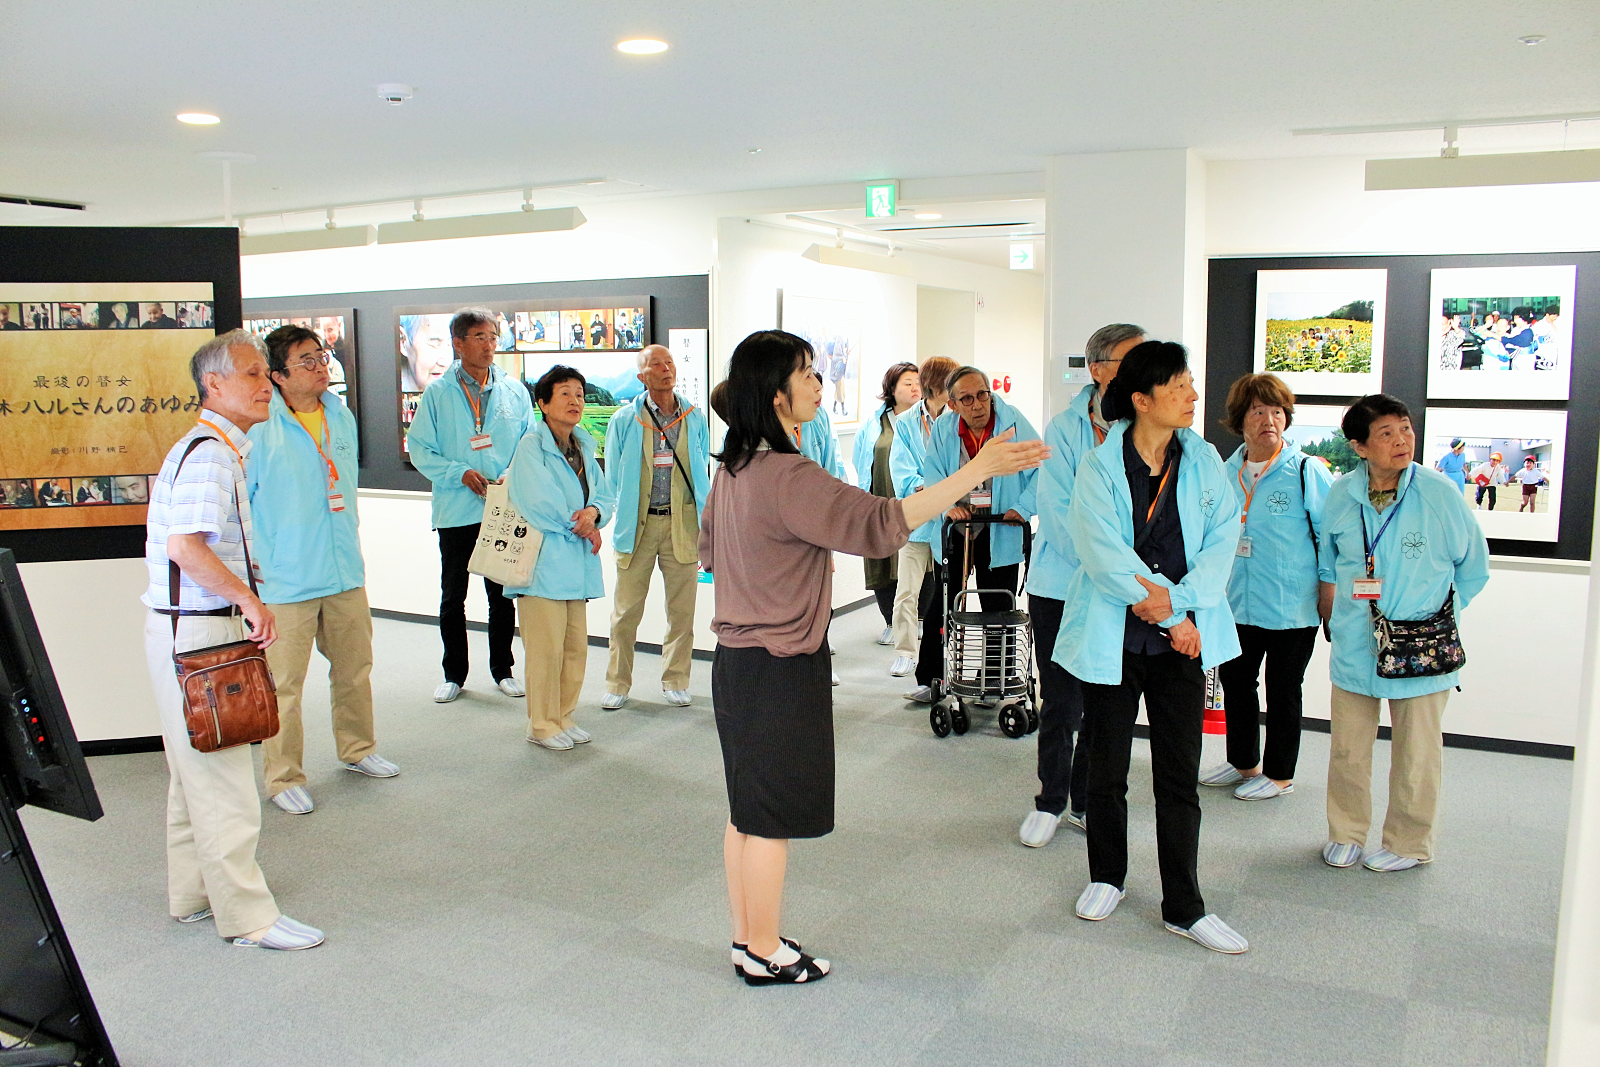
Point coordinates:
[[40, 762]]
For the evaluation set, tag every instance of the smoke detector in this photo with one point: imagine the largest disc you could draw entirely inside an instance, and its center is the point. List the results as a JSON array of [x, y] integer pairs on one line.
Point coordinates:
[[395, 93]]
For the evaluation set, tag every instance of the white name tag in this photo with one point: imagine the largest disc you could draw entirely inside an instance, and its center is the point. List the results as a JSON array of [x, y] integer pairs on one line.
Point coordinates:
[[335, 501], [663, 459], [481, 441], [1367, 588], [1244, 548], [982, 498]]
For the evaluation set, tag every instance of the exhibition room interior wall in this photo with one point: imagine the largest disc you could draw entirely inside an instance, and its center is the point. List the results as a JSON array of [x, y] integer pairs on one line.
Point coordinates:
[[1247, 208]]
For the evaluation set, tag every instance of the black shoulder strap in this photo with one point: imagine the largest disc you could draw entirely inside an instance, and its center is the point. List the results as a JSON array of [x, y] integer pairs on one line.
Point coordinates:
[[173, 583], [1311, 527], [688, 482]]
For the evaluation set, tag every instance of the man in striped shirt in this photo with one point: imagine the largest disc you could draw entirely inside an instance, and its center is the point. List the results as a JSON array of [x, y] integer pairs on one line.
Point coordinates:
[[199, 518]]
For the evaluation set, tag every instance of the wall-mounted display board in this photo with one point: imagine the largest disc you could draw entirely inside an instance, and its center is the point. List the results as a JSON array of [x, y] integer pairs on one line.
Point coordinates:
[[97, 325], [392, 363], [535, 335], [1496, 344], [336, 329], [834, 329]]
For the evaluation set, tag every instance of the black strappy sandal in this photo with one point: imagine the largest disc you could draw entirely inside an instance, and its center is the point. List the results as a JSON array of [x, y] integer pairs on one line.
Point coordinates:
[[738, 970], [802, 970]]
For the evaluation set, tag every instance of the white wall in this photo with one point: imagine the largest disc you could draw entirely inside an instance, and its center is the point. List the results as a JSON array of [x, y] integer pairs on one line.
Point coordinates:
[[946, 324]]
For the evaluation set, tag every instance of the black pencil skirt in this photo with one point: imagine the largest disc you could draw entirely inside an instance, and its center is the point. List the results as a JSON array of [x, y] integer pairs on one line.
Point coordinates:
[[775, 722]]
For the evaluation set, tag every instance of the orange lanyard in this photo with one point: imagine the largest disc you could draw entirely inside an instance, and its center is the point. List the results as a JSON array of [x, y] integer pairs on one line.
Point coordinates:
[[660, 429], [1099, 434], [1250, 492], [1150, 514], [333, 472], [477, 408], [971, 441], [799, 430], [225, 440], [927, 428]]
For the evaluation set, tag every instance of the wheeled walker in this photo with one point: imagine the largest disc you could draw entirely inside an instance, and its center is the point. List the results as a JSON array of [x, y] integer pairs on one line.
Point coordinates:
[[988, 655]]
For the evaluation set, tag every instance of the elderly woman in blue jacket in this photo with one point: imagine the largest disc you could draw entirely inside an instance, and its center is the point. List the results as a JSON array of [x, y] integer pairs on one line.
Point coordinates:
[[1273, 590], [1400, 538], [557, 485], [874, 441], [1155, 527], [912, 428], [993, 553]]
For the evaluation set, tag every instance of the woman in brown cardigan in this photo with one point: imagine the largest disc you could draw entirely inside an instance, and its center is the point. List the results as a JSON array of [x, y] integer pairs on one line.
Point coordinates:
[[768, 532]]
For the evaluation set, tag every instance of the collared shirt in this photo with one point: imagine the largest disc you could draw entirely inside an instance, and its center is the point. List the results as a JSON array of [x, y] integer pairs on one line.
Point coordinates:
[[1163, 549], [201, 498], [661, 477]]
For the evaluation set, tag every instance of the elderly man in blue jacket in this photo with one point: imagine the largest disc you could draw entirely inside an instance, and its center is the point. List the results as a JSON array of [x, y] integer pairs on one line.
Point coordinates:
[[468, 425], [993, 553], [658, 458], [301, 481]]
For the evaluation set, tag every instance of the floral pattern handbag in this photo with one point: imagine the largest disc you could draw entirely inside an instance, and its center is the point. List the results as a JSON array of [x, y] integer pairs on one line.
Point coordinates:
[[1421, 648]]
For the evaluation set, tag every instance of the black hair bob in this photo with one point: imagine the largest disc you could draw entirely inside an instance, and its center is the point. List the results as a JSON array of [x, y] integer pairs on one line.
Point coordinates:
[[1359, 417], [1147, 365], [759, 370], [544, 390]]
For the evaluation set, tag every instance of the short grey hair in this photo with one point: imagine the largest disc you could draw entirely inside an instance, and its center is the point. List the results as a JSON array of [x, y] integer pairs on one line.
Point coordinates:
[[962, 372], [216, 357], [640, 357], [1106, 338], [467, 318]]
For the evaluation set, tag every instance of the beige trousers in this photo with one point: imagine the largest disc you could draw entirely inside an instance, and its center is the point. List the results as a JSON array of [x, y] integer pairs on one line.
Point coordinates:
[[555, 654], [213, 809], [916, 560], [341, 627], [1416, 767], [653, 548]]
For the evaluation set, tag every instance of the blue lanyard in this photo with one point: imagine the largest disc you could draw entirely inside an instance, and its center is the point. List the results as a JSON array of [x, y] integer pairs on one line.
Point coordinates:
[[1371, 546]]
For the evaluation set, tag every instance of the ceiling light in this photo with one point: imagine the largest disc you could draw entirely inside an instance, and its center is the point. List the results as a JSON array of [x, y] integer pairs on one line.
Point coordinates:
[[198, 118], [927, 215], [1531, 39], [642, 46], [542, 220], [753, 151]]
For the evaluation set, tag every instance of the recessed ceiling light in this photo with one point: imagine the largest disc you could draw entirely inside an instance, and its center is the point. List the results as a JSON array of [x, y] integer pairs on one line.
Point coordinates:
[[1531, 39], [753, 151], [642, 46], [198, 118], [927, 215]]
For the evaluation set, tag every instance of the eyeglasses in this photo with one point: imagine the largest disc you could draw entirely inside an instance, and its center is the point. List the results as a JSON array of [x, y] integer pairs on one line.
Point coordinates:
[[312, 362], [980, 397]]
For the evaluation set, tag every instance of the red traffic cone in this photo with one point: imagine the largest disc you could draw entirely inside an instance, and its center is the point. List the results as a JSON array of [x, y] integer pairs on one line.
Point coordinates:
[[1216, 720]]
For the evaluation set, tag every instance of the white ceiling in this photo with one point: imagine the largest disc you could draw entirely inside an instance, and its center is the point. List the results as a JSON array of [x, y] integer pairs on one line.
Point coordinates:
[[516, 93]]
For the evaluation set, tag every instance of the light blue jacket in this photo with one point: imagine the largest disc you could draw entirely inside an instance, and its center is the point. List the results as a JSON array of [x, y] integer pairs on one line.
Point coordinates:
[[866, 442], [1094, 620], [1012, 492], [546, 492], [1071, 436], [1275, 587], [304, 550], [819, 443], [441, 440], [1433, 543], [625, 461], [911, 431]]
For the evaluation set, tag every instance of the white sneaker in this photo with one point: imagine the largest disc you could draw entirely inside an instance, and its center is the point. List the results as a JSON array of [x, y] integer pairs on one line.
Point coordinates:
[[678, 698], [613, 701], [1038, 828], [577, 735], [446, 692], [295, 800], [511, 687], [835, 677], [903, 665], [559, 743], [887, 637]]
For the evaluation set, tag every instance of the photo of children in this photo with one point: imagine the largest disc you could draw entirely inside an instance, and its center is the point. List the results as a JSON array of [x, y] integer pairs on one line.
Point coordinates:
[[1501, 333], [1507, 464], [1321, 331]]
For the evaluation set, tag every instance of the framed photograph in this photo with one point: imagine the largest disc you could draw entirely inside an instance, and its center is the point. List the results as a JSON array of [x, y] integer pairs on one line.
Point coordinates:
[[334, 327], [1316, 431], [834, 329], [1501, 333], [1508, 463], [537, 331], [1321, 331]]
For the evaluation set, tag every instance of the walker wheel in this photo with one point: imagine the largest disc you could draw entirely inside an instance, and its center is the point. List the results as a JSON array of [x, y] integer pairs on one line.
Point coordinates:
[[959, 722], [1013, 719], [1033, 717], [939, 719]]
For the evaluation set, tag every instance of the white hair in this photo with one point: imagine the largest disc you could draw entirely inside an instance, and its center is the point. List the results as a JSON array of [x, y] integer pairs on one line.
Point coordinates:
[[216, 357]]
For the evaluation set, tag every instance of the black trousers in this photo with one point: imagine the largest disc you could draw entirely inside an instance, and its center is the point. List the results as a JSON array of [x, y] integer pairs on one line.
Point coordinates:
[[930, 654], [455, 550], [885, 599], [1287, 652], [1174, 691], [1063, 772], [1490, 489]]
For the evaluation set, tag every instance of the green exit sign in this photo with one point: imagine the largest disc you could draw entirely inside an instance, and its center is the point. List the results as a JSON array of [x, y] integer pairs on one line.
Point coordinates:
[[882, 198]]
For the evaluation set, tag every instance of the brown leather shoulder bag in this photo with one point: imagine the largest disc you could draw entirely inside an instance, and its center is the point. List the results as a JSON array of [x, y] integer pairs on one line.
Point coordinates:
[[229, 697]]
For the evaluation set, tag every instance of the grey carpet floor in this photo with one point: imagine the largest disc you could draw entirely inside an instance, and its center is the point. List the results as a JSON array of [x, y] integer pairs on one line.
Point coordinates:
[[501, 904]]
